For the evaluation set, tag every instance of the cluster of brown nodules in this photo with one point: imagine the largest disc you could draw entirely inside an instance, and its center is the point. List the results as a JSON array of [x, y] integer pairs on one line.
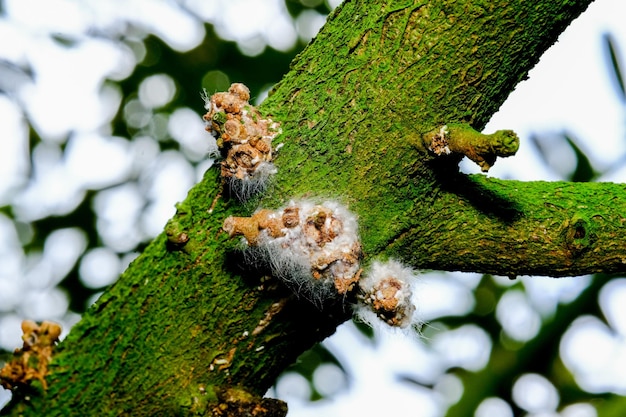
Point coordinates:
[[386, 293], [31, 361], [314, 249], [244, 138]]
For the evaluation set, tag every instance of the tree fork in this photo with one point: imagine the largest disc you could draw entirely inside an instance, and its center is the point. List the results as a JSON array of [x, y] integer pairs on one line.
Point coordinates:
[[189, 320]]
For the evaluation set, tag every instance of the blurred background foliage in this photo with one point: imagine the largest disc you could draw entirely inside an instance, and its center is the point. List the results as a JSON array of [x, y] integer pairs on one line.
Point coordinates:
[[66, 233]]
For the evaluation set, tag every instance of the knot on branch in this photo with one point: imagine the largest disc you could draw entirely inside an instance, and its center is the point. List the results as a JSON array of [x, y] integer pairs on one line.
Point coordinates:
[[31, 361], [578, 235], [177, 237], [462, 139]]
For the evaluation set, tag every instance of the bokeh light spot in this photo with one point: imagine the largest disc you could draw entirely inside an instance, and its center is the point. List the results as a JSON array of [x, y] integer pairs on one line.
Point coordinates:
[[494, 407], [156, 90], [99, 267], [214, 81], [535, 394]]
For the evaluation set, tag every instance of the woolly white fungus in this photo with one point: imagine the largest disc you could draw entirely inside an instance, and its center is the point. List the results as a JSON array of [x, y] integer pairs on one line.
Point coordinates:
[[314, 249], [207, 101], [250, 185], [386, 293]]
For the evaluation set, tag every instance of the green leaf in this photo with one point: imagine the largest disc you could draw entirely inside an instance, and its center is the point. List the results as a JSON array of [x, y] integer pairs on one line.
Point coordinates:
[[584, 171], [617, 71]]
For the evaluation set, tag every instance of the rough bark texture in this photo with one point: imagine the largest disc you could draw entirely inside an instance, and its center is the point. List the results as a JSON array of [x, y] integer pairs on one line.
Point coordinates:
[[188, 320]]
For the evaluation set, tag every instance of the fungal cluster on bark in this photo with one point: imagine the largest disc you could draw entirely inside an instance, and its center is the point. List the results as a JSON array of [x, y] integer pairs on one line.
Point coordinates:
[[386, 293], [244, 138], [314, 249], [31, 361]]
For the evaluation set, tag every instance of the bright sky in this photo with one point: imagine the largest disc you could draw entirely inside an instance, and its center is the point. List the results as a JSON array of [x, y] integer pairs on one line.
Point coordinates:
[[569, 90]]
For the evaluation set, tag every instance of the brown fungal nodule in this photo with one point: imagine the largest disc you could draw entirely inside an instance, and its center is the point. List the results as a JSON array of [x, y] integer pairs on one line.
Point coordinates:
[[244, 138]]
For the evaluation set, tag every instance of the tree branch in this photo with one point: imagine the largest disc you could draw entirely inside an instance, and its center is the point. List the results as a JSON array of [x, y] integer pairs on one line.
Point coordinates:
[[189, 318], [518, 228]]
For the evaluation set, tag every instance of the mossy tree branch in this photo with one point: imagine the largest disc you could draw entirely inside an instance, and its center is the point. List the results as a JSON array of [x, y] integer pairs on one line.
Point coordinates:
[[189, 318]]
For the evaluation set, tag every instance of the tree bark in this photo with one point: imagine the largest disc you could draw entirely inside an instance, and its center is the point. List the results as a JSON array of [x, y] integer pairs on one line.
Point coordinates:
[[187, 322]]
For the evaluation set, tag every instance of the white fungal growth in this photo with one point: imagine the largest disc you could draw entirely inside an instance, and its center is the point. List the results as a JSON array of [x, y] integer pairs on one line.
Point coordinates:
[[314, 249], [207, 100], [244, 138], [250, 185], [439, 144], [213, 150], [386, 293]]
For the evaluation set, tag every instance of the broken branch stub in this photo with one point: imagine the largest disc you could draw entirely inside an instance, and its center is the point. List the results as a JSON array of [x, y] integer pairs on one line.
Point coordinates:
[[462, 139]]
